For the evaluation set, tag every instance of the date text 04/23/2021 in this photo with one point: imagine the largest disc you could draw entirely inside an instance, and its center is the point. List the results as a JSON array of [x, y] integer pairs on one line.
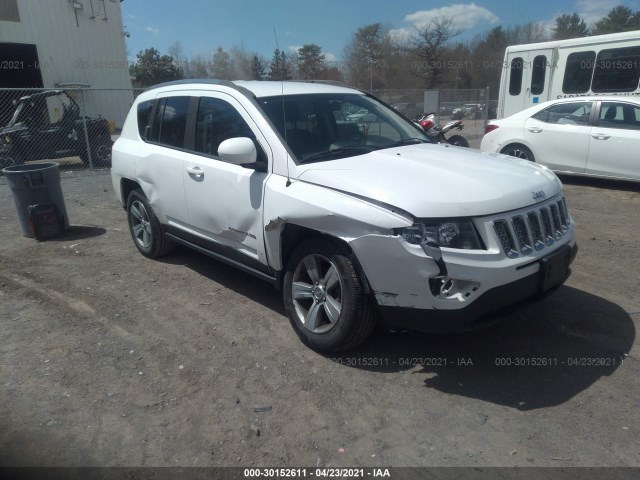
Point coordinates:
[[316, 473]]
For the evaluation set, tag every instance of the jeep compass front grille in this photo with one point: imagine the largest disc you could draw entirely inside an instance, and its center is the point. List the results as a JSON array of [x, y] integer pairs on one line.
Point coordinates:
[[532, 230]]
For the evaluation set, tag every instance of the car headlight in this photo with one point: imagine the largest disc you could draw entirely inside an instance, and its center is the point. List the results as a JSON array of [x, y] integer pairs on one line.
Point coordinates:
[[444, 233]]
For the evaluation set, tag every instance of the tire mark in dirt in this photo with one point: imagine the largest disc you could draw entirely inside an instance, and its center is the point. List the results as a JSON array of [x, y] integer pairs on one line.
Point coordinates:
[[63, 300]]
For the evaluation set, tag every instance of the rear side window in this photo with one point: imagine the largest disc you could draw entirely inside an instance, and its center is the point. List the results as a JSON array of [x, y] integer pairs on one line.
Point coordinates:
[[515, 79], [577, 75], [174, 121], [566, 114], [145, 109], [617, 70], [217, 121]]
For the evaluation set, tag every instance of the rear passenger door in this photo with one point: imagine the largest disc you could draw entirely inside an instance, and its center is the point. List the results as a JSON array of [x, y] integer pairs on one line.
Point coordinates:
[[160, 163], [559, 136], [224, 200], [615, 141]]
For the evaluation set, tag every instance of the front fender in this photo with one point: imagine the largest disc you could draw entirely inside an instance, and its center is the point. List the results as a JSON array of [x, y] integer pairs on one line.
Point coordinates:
[[323, 210]]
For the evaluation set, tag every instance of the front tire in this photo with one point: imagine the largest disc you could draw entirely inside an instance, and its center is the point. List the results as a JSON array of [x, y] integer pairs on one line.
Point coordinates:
[[324, 300], [458, 141], [145, 228], [519, 151]]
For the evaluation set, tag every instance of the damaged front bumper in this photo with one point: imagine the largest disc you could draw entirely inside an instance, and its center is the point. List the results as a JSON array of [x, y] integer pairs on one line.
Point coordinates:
[[415, 290]]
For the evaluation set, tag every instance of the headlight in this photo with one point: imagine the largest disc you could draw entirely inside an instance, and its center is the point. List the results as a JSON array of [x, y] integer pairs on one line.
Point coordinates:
[[446, 233]]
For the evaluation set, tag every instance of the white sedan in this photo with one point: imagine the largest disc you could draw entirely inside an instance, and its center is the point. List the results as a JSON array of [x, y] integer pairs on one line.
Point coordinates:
[[594, 136]]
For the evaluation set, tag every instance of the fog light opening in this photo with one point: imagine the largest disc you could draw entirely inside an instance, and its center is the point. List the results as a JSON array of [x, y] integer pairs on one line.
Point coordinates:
[[447, 288]]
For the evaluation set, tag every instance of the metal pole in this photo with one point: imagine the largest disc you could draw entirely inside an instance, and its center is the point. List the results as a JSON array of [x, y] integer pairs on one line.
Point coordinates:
[[86, 133]]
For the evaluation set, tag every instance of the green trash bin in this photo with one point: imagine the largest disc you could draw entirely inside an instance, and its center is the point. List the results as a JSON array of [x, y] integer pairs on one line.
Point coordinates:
[[35, 184]]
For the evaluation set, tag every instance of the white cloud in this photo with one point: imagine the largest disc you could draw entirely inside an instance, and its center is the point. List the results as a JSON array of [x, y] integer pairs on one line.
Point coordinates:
[[463, 15], [294, 48], [153, 30], [132, 17], [401, 35], [593, 10]]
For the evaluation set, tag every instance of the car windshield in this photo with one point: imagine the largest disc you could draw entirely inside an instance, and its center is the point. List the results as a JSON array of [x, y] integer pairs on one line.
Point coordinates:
[[321, 127]]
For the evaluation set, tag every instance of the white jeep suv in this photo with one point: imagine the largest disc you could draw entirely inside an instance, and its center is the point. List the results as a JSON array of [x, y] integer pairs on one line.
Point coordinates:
[[355, 220]]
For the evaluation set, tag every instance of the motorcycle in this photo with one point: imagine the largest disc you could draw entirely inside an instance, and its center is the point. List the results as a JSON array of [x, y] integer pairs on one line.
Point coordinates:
[[437, 133]]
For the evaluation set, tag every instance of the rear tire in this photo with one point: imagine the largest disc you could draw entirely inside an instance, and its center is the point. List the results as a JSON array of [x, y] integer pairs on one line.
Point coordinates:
[[458, 141], [325, 302], [145, 228], [519, 151]]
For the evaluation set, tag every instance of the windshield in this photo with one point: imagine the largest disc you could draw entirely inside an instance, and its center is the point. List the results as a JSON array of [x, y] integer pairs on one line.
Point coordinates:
[[321, 127]]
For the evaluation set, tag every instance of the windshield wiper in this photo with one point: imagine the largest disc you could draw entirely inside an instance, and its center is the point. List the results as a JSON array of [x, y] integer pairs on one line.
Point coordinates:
[[408, 141], [340, 150]]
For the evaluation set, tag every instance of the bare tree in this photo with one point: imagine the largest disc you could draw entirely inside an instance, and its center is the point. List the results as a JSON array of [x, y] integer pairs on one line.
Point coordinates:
[[428, 48], [364, 56], [531, 32]]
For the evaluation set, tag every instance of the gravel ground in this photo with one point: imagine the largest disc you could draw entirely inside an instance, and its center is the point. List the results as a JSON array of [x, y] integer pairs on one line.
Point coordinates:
[[111, 359]]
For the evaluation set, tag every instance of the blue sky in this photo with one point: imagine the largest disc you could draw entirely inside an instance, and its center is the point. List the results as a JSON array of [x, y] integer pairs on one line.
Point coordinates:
[[201, 26]]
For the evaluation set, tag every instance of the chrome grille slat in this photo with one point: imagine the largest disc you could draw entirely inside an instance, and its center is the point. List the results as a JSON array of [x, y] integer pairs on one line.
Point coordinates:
[[522, 233]]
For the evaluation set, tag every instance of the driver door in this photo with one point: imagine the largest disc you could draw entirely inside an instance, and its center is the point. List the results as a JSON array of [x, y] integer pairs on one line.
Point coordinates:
[[224, 201]]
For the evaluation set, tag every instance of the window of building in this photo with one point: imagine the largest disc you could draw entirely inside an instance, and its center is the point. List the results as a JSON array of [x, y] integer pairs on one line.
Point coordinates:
[[9, 11], [578, 72]]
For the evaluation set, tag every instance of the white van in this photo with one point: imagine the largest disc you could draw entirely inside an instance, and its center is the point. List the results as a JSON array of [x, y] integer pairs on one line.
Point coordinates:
[[537, 72]]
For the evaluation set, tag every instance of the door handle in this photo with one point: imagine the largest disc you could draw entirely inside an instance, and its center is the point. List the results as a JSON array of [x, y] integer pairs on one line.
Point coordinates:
[[535, 129], [600, 136], [195, 171]]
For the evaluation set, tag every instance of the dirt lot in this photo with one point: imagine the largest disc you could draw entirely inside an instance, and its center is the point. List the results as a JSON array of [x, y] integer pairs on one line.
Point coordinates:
[[108, 358]]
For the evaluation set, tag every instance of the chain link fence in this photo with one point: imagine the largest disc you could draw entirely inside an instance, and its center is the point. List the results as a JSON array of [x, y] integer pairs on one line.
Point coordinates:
[[74, 127], [472, 106], [77, 127]]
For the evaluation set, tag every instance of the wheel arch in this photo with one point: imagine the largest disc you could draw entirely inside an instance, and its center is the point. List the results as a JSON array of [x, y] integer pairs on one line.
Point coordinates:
[[518, 143], [293, 235], [126, 187]]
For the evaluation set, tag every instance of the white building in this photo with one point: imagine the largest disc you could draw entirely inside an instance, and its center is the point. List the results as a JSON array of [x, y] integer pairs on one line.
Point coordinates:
[[67, 44]]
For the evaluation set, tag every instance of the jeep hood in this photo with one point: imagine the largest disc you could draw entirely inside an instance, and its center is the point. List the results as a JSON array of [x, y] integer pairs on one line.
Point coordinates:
[[437, 180]]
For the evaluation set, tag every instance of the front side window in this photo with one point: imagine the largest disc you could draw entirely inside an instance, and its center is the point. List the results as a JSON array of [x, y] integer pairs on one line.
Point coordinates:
[[578, 72], [576, 113], [216, 122], [617, 70], [515, 80], [619, 115]]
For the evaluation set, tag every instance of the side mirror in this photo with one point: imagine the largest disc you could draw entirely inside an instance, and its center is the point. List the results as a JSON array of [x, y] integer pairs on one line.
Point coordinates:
[[239, 151]]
